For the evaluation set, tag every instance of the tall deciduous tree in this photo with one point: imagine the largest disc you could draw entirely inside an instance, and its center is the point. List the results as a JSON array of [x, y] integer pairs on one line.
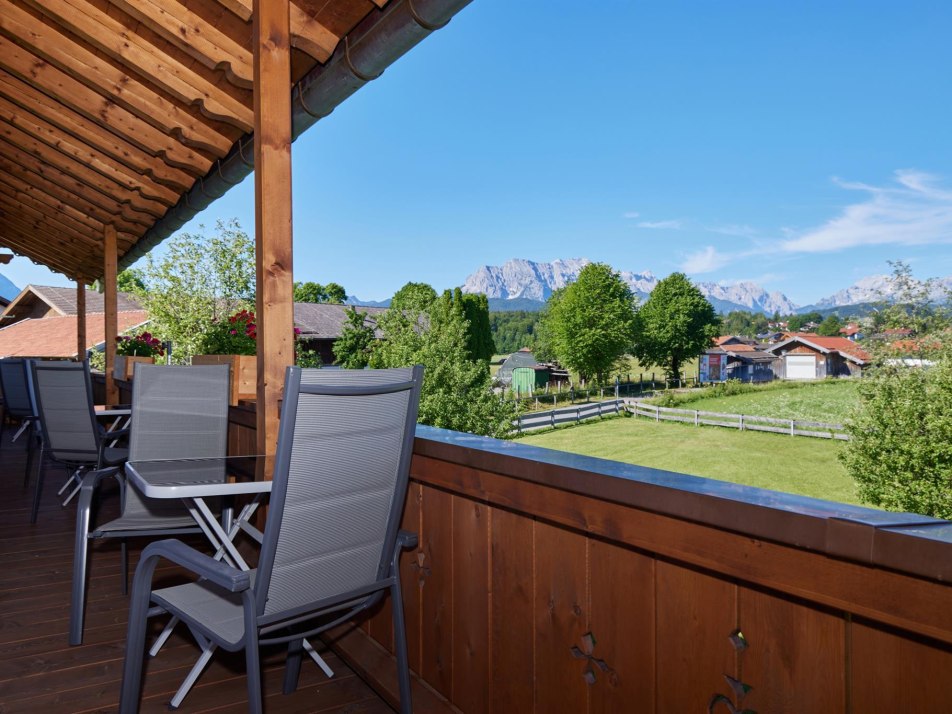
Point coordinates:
[[588, 324], [414, 296], [479, 340], [456, 391], [830, 327], [198, 280], [675, 324], [352, 349], [315, 292]]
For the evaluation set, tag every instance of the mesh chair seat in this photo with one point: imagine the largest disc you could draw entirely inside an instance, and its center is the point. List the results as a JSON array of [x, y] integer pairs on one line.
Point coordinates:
[[111, 456], [219, 611], [145, 522]]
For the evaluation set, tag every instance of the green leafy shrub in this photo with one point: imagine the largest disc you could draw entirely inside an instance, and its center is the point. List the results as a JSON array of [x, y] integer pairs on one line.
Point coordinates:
[[900, 452]]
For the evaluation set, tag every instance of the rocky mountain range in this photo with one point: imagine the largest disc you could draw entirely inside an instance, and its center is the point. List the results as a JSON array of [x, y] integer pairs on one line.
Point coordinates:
[[528, 284], [525, 279]]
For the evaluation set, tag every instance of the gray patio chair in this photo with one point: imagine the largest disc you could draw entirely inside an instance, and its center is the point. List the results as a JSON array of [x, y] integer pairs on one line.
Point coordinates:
[[177, 412], [331, 544], [19, 404], [71, 434]]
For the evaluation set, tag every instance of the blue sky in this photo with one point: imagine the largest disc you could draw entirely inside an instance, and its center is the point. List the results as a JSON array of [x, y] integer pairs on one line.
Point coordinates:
[[799, 145]]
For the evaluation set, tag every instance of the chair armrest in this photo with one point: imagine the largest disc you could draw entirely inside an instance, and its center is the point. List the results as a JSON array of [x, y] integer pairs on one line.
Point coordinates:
[[216, 571], [406, 539]]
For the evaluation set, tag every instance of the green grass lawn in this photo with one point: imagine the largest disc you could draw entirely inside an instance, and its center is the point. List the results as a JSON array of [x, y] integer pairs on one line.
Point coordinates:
[[827, 401], [784, 463]]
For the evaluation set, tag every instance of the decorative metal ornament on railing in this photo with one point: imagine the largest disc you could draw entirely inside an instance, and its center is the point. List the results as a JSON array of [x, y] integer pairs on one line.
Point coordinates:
[[738, 688], [423, 571], [591, 662]]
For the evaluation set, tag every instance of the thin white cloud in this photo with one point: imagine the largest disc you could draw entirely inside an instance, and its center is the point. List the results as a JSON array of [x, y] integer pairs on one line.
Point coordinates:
[[662, 225], [734, 230], [915, 211], [631, 214], [705, 261]]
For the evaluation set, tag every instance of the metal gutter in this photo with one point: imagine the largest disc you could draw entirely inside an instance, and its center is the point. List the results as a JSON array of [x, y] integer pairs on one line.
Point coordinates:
[[362, 56]]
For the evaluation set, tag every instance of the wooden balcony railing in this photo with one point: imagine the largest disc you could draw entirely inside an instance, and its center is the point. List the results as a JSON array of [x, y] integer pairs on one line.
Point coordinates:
[[550, 582]]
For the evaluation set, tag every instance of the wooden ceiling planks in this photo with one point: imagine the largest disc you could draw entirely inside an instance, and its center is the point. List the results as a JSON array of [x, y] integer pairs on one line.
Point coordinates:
[[111, 110]]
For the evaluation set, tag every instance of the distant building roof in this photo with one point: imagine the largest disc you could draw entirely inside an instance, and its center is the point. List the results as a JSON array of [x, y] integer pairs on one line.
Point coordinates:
[[732, 340], [56, 336], [47, 300], [322, 321], [847, 348]]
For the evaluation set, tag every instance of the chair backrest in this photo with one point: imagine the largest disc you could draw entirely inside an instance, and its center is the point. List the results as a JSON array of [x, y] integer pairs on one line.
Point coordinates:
[[17, 387], [177, 413], [64, 401], [340, 481]]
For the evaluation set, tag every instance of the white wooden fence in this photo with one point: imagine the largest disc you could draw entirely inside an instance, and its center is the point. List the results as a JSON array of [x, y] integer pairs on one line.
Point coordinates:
[[567, 415], [744, 422]]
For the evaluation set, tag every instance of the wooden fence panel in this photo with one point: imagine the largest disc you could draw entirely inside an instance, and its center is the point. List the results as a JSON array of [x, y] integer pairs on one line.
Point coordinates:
[[513, 664], [437, 610], [695, 615], [561, 619], [470, 603], [891, 672], [622, 583], [795, 656]]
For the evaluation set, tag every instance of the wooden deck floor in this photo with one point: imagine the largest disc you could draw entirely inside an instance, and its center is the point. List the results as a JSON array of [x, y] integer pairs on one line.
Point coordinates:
[[40, 672]]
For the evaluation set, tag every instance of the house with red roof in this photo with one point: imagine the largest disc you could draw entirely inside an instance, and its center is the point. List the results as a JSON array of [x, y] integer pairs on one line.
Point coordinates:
[[809, 356], [42, 321]]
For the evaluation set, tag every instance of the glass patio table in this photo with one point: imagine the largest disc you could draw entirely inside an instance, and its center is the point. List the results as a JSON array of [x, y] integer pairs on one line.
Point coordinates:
[[194, 480]]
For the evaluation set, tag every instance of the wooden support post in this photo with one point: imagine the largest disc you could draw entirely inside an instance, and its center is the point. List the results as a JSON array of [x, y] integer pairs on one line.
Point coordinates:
[[110, 308], [80, 320], [273, 235]]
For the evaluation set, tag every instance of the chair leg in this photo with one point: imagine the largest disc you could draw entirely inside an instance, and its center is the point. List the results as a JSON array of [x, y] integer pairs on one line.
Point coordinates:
[[135, 638], [292, 668], [38, 485], [253, 665], [29, 455], [400, 647], [80, 567]]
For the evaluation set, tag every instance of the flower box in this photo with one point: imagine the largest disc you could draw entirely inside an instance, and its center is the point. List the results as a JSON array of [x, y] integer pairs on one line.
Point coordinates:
[[125, 364], [244, 374]]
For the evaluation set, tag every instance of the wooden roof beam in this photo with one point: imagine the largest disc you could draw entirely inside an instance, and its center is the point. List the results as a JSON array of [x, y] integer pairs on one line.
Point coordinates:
[[190, 33], [20, 244], [79, 171], [167, 72], [108, 80], [40, 241], [109, 203], [40, 130], [49, 220], [75, 124], [102, 110], [59, 184], [307, 34], [42, 202]]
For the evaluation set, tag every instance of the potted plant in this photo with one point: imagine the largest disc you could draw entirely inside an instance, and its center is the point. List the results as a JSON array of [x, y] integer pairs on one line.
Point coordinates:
[[234, 341], [135, 348]]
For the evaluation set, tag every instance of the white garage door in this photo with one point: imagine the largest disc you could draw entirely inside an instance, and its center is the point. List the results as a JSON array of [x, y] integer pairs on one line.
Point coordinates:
[[801, 367]]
